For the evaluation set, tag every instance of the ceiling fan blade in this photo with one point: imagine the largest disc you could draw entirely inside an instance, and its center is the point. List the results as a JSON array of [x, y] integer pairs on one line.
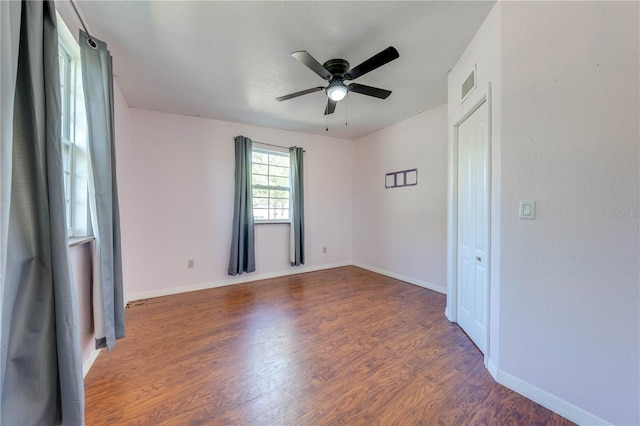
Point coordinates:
[[300, 93], [376, 61], [370, 91], [331, 106], [311, 63]]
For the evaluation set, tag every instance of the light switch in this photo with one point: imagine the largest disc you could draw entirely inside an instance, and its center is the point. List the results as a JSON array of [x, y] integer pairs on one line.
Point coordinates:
[[527, 209]]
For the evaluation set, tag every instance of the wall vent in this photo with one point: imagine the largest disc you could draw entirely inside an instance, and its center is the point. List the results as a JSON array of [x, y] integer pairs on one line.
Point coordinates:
[[468, 85]]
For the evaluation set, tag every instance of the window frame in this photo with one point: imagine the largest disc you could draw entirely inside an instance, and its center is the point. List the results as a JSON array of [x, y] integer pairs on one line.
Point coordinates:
[[73, 136], [67, 129], [254, 186]]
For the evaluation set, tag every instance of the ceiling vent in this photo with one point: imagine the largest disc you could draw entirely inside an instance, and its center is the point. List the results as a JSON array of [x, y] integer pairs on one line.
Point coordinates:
[[468, 85]]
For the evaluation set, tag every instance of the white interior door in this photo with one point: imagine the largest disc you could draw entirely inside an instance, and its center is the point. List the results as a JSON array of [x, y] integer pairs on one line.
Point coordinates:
[[473, 225]]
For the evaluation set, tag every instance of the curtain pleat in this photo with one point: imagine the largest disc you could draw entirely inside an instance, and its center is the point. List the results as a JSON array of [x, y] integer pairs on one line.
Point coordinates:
[[296, 249], [41, 365], [242, 257], [108, 297], [9, 47]]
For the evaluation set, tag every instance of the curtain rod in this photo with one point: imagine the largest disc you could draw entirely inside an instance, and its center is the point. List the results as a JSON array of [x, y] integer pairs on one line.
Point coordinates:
[[279, 146], [90, 41]]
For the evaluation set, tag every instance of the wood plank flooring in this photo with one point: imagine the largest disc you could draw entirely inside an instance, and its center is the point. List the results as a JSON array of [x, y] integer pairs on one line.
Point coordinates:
[[338, 347]]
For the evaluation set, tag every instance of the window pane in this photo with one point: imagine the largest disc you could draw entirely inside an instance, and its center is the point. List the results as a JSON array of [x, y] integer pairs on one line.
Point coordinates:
[[261, 169], [279, 171], [260, 180], [264, 193], [259, 157], [278, 203], [66, 148], [278, 193], [278, 181], [261, 203], [279, 160], [260, 214], [279, 214], [67, 187]]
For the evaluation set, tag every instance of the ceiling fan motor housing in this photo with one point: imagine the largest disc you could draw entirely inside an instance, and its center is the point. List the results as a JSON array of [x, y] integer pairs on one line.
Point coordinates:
[[337, 67]]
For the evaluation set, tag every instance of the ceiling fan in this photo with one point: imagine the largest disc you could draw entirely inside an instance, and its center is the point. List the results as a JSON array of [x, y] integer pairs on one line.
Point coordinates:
[[336, 71]]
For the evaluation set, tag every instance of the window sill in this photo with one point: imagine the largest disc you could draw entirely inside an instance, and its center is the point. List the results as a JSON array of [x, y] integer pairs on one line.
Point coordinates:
[[76, 241], [270, 222]]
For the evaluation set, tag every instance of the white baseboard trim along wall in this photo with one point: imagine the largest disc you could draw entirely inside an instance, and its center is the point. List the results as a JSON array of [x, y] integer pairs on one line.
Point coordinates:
[[493, 369], [548, 400], [89, 362], [244, 278], [404, 278]]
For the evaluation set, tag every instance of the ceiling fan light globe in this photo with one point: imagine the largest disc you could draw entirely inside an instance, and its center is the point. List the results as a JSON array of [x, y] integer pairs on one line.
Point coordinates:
[[337, 93]]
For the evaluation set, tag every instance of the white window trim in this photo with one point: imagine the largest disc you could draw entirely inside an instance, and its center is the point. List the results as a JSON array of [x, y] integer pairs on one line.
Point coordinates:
[[67, 137], [79, 224]]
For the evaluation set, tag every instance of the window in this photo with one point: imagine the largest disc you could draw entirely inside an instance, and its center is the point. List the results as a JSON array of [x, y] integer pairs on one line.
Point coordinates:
[[271, 185], [66, 71], [73, 134]]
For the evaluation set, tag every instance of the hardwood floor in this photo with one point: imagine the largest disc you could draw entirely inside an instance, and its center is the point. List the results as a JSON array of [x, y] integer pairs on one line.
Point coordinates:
[[335, 347]]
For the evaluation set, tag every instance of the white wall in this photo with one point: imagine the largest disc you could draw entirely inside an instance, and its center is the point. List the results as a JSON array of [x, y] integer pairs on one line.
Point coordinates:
[[569, 321], [402, 231], [80, 258], [176, 180], [122, 130]]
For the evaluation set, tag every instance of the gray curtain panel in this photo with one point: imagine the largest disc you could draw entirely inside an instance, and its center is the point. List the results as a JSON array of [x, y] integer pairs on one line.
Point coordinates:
[[296, 251], [9, 36], [242, 257], [108, 297], [41, 365]]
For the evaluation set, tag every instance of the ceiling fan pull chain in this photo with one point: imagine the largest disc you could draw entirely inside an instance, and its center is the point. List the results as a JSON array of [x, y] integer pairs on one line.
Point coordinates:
[[326, 118], [346, 113]]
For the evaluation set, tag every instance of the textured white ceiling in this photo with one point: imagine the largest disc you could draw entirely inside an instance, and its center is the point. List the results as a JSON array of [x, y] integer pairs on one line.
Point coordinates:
[[229, 60]]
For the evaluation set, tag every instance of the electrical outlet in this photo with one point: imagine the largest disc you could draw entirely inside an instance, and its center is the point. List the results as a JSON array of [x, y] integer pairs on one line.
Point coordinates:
[[324, 250], [190, 264]]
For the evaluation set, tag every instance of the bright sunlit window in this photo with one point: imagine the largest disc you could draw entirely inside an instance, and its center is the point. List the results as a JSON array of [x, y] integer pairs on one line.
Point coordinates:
[[73, 134], [271, 185]]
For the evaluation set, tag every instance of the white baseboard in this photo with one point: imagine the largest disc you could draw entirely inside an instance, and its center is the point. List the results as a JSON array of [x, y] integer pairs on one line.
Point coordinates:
[[240, 279], [400, 277], [493, 369], [447, 312], [245, 278], [548, 400], [89, 362]]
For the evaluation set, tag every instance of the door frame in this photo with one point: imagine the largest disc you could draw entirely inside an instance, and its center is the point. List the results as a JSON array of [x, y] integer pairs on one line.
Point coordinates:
[[451, 311]]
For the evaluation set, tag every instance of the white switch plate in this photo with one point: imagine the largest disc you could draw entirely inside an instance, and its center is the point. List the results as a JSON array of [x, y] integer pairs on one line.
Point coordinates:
[[527, 209]]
